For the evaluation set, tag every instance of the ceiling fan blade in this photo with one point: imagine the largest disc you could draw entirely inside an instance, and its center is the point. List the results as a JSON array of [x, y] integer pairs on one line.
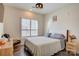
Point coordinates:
[[33, 7]]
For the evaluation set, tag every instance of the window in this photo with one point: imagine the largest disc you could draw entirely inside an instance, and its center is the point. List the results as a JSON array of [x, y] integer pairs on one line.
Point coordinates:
[[29, 27]]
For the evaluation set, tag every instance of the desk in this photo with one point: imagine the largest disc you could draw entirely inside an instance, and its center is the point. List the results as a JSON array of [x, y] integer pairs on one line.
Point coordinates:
[[6, 49]]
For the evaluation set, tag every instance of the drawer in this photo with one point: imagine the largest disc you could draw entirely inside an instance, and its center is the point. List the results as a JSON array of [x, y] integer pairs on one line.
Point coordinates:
[[70, 50], [70, 44]]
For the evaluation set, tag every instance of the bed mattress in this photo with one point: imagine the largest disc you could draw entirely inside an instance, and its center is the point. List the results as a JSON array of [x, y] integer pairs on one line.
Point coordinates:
[[43, 46]]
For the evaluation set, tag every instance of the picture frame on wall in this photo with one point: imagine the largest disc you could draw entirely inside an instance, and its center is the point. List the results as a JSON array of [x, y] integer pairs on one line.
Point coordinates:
[[54, 18]]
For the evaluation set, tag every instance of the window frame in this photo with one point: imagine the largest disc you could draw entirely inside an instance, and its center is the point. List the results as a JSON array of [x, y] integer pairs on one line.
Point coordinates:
[[30, 28]]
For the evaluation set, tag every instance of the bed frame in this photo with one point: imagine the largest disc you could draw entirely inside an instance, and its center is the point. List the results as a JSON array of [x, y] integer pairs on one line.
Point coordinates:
[[69, 39], [28, 50]]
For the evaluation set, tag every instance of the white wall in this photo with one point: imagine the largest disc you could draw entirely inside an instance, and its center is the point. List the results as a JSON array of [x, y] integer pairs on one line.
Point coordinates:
[[1, 29], [12, 18], [67, 18]]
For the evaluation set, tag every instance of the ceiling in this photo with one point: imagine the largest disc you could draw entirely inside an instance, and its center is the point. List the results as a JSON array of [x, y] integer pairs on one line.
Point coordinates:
[[48, 7]]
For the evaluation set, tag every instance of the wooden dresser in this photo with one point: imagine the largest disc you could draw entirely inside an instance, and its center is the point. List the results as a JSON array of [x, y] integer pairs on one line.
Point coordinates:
[[71, 47], [6, 49], [70, 44]]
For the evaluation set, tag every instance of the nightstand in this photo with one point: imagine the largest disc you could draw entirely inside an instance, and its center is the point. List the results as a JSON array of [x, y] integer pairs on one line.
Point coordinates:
[[71, 47]]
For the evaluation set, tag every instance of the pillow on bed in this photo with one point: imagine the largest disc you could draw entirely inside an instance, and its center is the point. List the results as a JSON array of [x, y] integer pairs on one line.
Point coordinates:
[[57, 36], [48, 34]]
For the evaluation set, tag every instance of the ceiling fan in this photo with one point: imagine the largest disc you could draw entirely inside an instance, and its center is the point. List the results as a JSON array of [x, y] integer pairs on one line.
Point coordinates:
[[38, 6]]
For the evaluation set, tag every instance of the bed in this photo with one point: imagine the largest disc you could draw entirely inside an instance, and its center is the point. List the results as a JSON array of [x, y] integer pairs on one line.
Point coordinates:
[[43, 46]]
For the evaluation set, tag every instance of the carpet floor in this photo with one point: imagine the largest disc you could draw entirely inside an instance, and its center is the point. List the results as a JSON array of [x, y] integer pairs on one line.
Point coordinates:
[[23, 52]]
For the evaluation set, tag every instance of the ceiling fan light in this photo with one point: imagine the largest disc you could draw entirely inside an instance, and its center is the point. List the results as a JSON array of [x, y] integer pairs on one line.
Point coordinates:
[[39, 5]]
